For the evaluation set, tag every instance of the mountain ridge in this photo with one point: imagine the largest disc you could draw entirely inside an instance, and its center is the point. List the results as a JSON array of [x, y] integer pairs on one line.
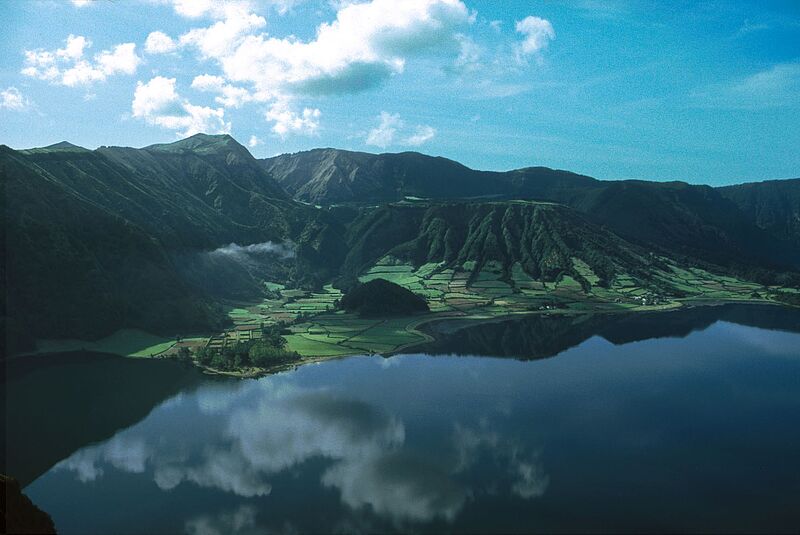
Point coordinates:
[[695, 220], [120, 237]]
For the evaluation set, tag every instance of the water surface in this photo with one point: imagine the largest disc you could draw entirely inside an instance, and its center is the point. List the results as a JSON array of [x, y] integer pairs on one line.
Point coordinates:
[[692, 427]]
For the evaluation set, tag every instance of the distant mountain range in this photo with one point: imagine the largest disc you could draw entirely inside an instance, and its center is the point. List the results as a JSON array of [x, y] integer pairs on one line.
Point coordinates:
[[100, 239], [748, 224]]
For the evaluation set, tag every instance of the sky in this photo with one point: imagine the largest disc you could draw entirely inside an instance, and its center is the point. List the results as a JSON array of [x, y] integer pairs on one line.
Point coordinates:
[[704, 92]]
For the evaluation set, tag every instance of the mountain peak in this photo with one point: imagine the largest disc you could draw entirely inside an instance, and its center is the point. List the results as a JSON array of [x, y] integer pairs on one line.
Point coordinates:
[[200, 143], [63, 145]]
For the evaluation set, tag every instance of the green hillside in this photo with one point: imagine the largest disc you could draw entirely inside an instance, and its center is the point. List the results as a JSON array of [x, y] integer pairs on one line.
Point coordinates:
[[119, 237], [197, 236]]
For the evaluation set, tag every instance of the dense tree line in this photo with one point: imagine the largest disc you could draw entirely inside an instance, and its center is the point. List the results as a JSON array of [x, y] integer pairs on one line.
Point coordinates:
[[268, 351]]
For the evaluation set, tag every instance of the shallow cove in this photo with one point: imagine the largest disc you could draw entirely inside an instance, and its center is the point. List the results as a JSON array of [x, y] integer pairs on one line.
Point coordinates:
[[654, 422]]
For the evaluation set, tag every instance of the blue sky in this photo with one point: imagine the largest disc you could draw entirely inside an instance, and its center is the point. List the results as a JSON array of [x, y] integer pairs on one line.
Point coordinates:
[[706, 92]]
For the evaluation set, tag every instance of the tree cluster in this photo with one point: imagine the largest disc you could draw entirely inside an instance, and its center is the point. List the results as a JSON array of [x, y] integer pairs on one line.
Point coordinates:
[[269, 351]]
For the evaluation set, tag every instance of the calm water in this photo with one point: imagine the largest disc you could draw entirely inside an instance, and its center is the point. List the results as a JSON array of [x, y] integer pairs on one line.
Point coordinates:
[[687, 421]]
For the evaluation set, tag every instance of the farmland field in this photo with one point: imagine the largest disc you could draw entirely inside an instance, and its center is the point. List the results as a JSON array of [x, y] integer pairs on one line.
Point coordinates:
[[468, 291]]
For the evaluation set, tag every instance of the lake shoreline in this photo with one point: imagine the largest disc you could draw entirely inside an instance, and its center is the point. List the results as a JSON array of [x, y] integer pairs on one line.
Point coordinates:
[[421, 327]]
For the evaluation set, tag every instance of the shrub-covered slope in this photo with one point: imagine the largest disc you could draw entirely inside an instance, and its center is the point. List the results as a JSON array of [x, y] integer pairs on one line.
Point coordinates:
[[543, 238], [700, 222]]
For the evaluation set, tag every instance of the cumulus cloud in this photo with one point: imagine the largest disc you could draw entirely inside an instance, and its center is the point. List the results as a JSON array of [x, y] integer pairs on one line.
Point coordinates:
[[367, 43], [12, 99], [122, 59], [537, 32], [221, 38], [159, 43], [228, 96], [158, 103], [74, 47], [393, 130], [153, 96], [364, 45], [68, 66], [289, 121], [383, 135], [253, 142]]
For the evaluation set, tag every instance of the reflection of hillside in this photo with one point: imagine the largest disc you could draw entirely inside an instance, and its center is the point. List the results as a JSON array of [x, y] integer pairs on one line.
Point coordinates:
[[77, 399], [536, 337]]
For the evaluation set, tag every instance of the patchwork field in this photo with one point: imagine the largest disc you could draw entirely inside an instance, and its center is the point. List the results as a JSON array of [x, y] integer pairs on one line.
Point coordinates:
[[470, 292]]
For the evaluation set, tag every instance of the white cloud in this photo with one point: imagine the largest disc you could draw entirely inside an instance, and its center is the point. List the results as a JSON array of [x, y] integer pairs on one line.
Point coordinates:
[[153, 96], [221, 38], [122, 59], [75, 46], [367, 43], [216, 9], [284, 6], [67, 66], [538, 33], [82, 73], [253, 142], [777, 86], [229, 95], [208, 82], [392, 130], [12, 99], [288, 121], [383, 135], [158, 103], [469, 56], [159, 43], [774, 86], [81, 3], [422, 135]]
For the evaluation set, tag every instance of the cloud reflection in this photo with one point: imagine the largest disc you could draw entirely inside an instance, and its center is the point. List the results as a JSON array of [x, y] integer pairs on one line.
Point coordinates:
[[237, 437]]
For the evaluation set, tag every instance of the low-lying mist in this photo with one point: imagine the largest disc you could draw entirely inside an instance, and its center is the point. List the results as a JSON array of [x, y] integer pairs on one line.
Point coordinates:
[[236, 271], [244, 253]]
